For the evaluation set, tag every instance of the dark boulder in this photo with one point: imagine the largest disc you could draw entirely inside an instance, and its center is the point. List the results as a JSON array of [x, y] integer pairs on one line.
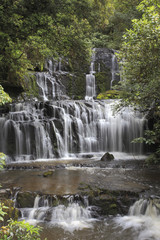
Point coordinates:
[[107, 157]]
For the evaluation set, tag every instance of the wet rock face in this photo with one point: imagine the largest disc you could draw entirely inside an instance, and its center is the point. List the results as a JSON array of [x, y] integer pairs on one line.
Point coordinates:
[[25, 199], [106, 69], [58, 81], [106, 202], [103, 56], [109, 202]]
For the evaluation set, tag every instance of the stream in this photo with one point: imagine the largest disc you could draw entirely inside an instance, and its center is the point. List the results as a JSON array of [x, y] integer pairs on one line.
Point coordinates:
[[77, 218]]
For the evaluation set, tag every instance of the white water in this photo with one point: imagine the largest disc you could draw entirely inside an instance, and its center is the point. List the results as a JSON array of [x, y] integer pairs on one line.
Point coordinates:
[[71, 217], [143, 218], [90, 84], [72, 128], [114, 70], [49, 88]]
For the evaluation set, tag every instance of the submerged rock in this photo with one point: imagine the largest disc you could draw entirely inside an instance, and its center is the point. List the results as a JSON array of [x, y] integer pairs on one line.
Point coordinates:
[[107, 157], [48, 173]]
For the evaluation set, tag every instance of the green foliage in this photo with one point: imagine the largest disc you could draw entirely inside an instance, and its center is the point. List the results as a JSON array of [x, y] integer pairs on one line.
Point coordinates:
[[4, 97], [17, 230], [120, 20], [110, 94], [2, 161], [32, 30], [2, 211], [20, 230], [140, 57]]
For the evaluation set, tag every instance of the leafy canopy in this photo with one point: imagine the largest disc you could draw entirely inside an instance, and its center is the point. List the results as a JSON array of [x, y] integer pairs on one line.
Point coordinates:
[[33, 30], [140, 64], [4, 98]]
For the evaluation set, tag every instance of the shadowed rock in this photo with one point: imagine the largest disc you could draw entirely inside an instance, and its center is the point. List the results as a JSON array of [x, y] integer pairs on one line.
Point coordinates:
[[107, 157]]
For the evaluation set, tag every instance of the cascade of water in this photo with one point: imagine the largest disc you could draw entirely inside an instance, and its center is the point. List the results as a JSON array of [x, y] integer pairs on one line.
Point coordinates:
[[28, 135], [50, 89], [146, 207], [50, 66], [90, 84], [65, 128], [71, 217], [144, 218], [114, 69]]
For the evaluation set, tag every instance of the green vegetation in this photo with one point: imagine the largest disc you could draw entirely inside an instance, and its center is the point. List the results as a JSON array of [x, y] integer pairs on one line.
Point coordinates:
[[19, 230], [31, 31], [13, 229], [140, 57], [4, 97], [110, 94], [2, 160]]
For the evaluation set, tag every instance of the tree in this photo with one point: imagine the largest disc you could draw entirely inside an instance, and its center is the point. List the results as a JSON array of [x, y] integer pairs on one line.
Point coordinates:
[[4, 97], [140, 61]]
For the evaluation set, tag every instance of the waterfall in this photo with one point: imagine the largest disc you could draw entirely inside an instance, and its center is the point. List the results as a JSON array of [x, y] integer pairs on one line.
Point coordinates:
[[57, 128], [49, 87], [144, 218], [114, 69], [90, 82], [68, 128], [146, 207], [73, 216]]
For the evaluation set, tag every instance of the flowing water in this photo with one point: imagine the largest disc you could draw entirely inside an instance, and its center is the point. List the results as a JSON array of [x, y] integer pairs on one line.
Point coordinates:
[[68, 128], [143, 219], [114, 70], [57, 129], [90, 84], [75, 221]]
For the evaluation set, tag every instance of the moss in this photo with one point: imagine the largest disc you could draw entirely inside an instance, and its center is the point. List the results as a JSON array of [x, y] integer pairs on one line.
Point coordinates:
[[25, 199], [110, 94], [48, 174], [102, 81], [30, 85], [110, 202], [113, 205], [75, 85]]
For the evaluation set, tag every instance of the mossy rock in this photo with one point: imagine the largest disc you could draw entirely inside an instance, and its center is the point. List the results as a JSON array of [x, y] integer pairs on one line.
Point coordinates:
[[25, 199], [103, 80], [48, 173], [30, 85], [109, 202], [75, 84], [110, 94]]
